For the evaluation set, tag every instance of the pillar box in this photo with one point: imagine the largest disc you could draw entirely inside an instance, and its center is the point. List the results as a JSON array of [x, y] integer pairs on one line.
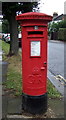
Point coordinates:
[[34, 61]]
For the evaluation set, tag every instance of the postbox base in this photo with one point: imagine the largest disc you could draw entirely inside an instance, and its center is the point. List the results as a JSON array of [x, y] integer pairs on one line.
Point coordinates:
[[34, 104]]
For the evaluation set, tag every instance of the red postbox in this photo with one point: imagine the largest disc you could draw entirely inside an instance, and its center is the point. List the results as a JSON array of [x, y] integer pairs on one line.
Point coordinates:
[[34, 60]]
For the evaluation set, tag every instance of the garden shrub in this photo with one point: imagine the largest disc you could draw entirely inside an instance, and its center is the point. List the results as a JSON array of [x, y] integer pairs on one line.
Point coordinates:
[[62, 34]]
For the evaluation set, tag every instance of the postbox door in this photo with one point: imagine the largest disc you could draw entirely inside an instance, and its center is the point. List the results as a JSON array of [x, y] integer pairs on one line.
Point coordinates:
[[34, 65]]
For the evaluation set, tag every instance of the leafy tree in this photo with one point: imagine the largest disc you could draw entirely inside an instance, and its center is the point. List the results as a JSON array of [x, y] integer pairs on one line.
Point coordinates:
[[61, 24], [5, 26], [54, 27], [9, 10]]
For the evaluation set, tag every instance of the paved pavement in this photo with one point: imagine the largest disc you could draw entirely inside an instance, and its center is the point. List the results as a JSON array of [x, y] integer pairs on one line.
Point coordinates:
[[15, 108], [56, 64]]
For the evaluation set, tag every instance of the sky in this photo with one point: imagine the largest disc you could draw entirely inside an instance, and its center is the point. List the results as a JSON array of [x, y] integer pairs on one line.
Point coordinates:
[[51, 6]]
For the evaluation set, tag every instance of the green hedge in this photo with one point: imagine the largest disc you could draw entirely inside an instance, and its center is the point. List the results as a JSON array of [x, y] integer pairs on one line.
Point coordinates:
[[62, 34]]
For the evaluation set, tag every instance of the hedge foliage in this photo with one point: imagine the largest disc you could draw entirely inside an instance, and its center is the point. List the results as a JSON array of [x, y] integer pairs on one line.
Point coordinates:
[[62, 34]]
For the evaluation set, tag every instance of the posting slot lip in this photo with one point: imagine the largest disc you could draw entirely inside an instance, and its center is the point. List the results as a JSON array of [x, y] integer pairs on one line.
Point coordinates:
[[31, 30]]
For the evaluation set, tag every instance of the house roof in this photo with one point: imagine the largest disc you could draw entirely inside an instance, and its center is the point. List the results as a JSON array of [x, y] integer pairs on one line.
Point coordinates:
[[60, 17]]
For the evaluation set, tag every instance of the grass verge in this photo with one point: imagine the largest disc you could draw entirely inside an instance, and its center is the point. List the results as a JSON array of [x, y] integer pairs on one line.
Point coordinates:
[[5, 48], [52, 91], [14, 74]]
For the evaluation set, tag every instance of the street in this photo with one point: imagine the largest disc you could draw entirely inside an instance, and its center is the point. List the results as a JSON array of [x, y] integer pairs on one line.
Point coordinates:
[[56, 64], [56, 57]]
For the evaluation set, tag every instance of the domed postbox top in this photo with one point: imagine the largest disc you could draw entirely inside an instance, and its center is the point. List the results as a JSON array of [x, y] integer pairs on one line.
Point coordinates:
[[34, 15]]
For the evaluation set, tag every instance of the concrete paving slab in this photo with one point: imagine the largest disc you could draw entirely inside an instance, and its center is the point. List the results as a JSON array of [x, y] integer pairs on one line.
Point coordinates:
[[15, 105], [57, 105], [48, 114], [4, 106], [14, 109]]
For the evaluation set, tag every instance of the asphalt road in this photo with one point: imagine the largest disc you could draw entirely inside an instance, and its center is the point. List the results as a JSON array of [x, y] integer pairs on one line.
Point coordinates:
[[56, 57]]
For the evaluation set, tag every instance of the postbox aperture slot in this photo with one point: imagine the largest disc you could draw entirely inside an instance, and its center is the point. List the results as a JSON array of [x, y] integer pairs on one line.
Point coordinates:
[[35, 50], [35, 33]]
